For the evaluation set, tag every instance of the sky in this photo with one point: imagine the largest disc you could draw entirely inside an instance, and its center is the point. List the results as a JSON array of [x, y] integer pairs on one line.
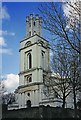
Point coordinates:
[[14, 27], [13, 31], [13, 16]]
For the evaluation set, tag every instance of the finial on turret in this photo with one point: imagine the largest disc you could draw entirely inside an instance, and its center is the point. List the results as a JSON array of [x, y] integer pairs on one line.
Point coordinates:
[[37, 16], [27, 18], [31, 16]]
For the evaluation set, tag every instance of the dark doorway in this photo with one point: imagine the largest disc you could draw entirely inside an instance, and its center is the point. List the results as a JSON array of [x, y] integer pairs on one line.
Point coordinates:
[[28, 103]]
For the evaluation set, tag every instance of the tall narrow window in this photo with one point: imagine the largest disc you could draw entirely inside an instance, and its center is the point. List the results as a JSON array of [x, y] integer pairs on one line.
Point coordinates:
[[29, 33], [29, 61], [29, 79], [43, 59], [34, 23], [29, 24]]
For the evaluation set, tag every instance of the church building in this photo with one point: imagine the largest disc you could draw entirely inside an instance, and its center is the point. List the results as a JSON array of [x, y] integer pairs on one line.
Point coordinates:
[[35, 74], [34, 64]]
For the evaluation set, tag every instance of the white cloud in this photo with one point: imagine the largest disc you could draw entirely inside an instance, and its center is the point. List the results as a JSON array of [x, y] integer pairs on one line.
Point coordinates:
[[11, 82], [6, 33], [3, 44], [5, 51], [2, 41], [2, 77], [68, 9], [4, 13], [70, 12], [0, 64]]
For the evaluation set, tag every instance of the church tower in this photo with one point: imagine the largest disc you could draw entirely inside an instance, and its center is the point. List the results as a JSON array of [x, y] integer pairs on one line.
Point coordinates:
[[34, 63]]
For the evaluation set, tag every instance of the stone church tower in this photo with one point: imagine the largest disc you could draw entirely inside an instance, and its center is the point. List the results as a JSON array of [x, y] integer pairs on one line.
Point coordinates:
[[34, 76], [34, 63]]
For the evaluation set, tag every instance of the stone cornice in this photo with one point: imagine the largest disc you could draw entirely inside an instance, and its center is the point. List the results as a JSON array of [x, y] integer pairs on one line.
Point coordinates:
[[32, 45], [33, 36], [30, 84], [29, 70]]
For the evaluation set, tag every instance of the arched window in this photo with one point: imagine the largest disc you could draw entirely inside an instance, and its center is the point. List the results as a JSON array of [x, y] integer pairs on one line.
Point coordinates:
[[34, 23], [28, 103], [29, 60], [28, 79], [28, 43], [41, 42]]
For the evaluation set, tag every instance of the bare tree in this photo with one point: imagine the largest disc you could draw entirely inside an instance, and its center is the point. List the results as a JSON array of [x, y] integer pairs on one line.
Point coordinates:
[[79, 104], [60, 25], [5, 98], [67, 31], [74, 77], [2, 91], [63, 27], [8, 98], [60, 65]]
